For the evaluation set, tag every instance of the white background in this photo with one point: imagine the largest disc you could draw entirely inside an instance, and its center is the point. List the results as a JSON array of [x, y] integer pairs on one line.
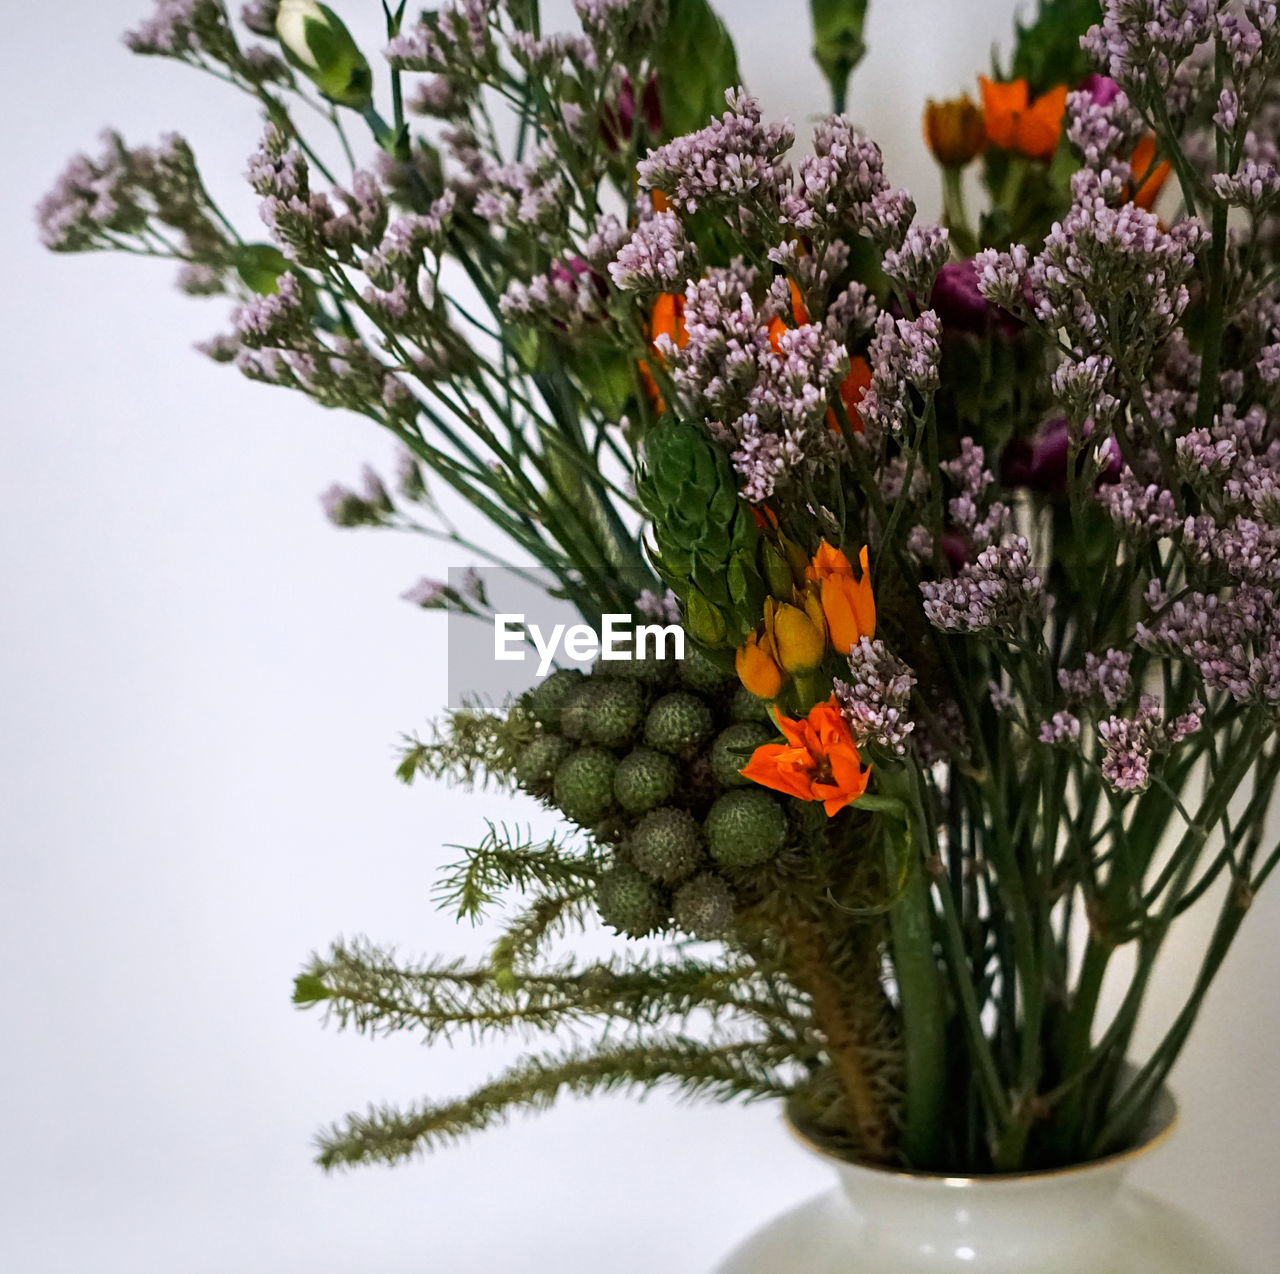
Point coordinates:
[[202, 686]]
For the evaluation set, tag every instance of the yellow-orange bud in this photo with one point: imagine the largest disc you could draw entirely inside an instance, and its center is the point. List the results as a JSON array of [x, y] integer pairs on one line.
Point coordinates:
[[757, 670], [799, 640], [954, 130]]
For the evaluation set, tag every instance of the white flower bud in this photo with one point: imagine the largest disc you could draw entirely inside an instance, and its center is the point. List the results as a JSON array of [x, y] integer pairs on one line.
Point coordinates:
[[317, 43]]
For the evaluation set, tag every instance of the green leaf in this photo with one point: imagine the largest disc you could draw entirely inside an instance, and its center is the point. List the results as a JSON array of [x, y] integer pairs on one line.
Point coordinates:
[[838, 44], [1048, 52], [695, 63]]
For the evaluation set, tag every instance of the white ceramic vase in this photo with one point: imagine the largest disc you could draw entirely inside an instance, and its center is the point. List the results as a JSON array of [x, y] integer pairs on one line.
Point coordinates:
[[1084, 1220]]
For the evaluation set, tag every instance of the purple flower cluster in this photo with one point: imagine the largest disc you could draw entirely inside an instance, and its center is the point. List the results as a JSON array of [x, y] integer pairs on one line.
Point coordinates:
[[735, 163], [842, 187], [657, 258], [1104, 679], [456, 39], [903, 353], [569, 298], [1141, 44], [996, 593], [874, 699], [982, 520], [1233, 641], [915, 265], [1131, 744]]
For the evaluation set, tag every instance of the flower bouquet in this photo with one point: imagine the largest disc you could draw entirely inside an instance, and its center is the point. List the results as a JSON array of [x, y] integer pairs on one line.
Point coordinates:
[[951, 551]]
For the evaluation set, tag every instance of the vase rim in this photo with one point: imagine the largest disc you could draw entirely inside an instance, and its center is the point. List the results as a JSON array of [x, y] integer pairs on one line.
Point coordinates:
[[1160, 1126]]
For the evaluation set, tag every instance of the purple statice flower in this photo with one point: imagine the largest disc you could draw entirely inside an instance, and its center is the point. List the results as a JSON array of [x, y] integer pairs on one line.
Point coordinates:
[[995, 593], [260, 17], [874, 700], [374, 490], [92, 197], [430, 594], [569, 298], [915, 265], [734, 164], [1142, 43], [852, 313], [274, 319], [439, 97], [903, 353], [221, 348], [610, 23], [528, 197], [605, 241], [344, 507], [1233, 641], [1144, 511], [197, 278], [664, 606], [1106, 678], [1254, 187], [1002, 277], [765, 460], [735, 159], [178, 27], [1061, 729], [1083, 386], [457, 40], [1002, 701], [842, 187], [1131, 744], [1268, 365], [657, 258], [1103, 128]]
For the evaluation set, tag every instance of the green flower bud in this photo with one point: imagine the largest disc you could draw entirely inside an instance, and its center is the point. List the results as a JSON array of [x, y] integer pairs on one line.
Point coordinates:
[[704, 906], [733, 748], [745, 829], [584, 785], [644, 780], [537, 765], [703, 620], [617, 708], [629, 903], [317, 43], [677, 723], [666, 844], [548, 697]]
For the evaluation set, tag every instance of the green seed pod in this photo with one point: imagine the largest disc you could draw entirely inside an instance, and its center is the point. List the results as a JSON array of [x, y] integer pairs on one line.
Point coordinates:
[[649, 669], [733, 748], [628, 902], [536, 768], [747, 707], [666, 844], [678, 722], [702, 674], [579, 705], [584, 785], [704, 906], [745, 828], [644, 780], [548, 697], [616, 711]]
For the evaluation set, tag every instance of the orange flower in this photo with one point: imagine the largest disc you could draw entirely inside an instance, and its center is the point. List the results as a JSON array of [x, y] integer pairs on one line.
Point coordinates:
[[954, 131], [757, 669], [852, 389], [847, 602], [776, 328], [1140, 161], [818, 762], [798, 307], [667, 319], [1016, 123]]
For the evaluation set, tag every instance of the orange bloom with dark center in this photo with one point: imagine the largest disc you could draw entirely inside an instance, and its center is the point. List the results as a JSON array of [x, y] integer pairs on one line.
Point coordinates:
[[1014, 122], [818, 762], [1141, 162], [848, 604], [954, 131]]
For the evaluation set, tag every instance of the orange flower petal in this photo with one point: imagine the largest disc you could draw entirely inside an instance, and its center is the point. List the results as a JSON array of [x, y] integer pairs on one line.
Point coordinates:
[[1001, 106]]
